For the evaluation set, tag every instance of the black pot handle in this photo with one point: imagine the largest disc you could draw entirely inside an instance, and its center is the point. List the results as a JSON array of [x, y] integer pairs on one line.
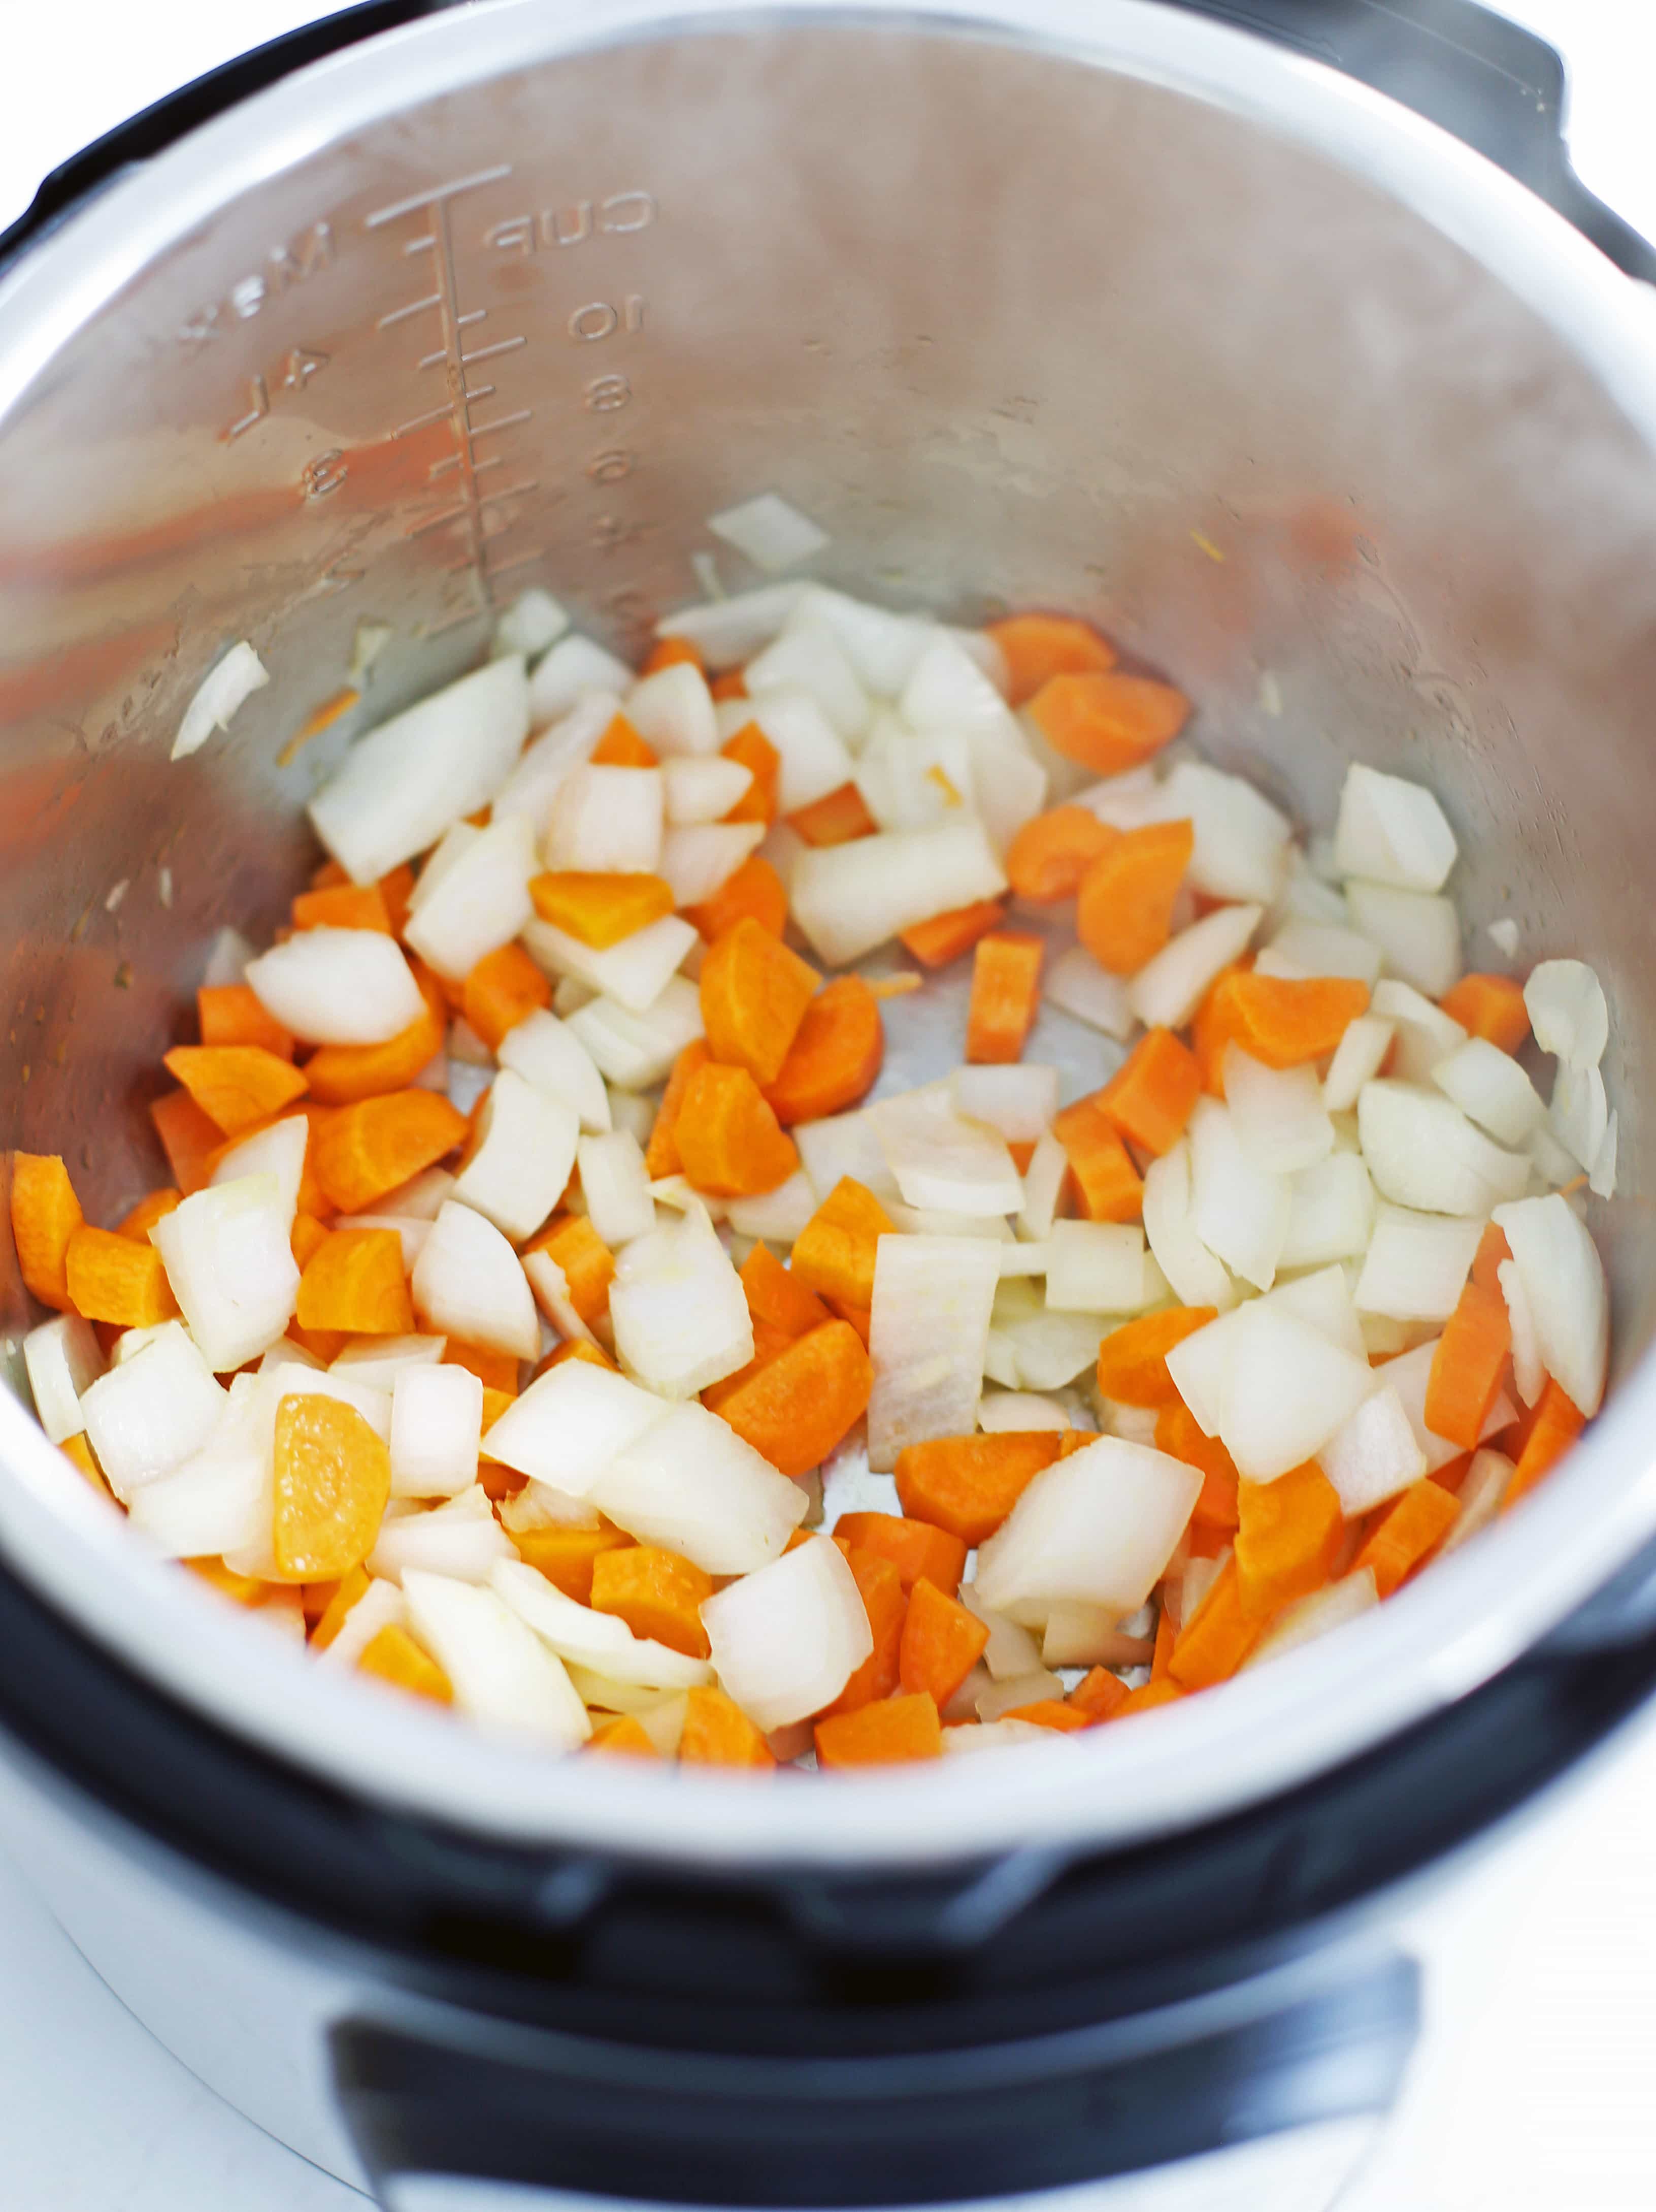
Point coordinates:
[[471, 2101]]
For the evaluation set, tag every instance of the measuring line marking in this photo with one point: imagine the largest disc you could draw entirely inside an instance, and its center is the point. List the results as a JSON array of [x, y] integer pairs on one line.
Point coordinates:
[[436, 195]]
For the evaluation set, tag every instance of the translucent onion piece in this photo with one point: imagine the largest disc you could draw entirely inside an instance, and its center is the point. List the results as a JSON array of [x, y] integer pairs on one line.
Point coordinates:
[[1563, 1279], [691, 1484], [503, 1676], [338, 986], [928, 1337], [787, 1638], [1096, 1528], [468, 1283], [1392, 831]]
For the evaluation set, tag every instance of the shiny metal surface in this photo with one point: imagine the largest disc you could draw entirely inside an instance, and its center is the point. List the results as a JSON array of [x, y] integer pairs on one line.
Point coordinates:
[[1097, 306]]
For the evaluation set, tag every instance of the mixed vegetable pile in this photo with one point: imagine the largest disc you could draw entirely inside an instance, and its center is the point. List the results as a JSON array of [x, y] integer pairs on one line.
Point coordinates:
[[675, 1400]]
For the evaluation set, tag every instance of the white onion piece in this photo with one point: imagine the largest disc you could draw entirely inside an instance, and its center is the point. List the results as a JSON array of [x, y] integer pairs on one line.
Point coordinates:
[[1418, 933], [813, 759], [1096, 1528], [1278, 1114], [1199, 1278], [1392, 831], [1011, 1650], [227, 959], [673, 710], [1289, 1390], [847, 1144], [678, 1309], [1043, 1185], [1410, 1375], [1348, 1598], [1009, 785], [1020, 1410], [287, 1378], [1529, 1375], [547, 1053], [533, 622], [1200, 1365], [702, 790], [912, 781], [695, 861], [690, 1483], [942, 1161], [538, 1505], [1481, 1490], [231, 1268], [1491, 1089], [1424, 1152], [985, 654], [525, 1150], [1601, 1178], [482, 902], [436, 1425], [728, 632], [1358, 1058], [935, 1221], [421, 1196], [1050, 1350], [1019, 1101], [1311, 948], [882, 647], [220, 1499], [849, 898], [770, 530], [607, 820], [1080, 1635], [382, 1605], [62, 1360], [376, 1362], [402, 785], [1002, 1697], [927, 1337], [1563, 1279], [551, 1288], [217, 696], [1331, 1212], [635, 972], [460, 1537], [541, 772], [1240, 1210], [809, 657], [503, 1676], [1167, 991], [616, 1186], [564, 675], [634, 1050], [1568, 1011], [468, 1283], [787, 1638], [284, 1352], [149, 1413], [570, 1426], [1426, 1035], [1000, 1361], [1373, 1454], [1578, 1113], [601, 1642], [1241, 839], [1076, 985], [778, 1214], [338, 986], [1130, 800], [1550, 1159], [1095, 1267], [948, 690], [1417, 1264]]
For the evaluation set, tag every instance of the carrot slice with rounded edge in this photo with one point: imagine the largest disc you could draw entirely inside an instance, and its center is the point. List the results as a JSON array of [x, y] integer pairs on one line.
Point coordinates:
[[1055, 1713], [45, 1216], [1110, 1186], [1132, 1360], [114, 1279], [354, 1281], [1491, 1007], [1167, 1691], [835, 1056], [332, 1484], [1287, 1532], [1108, 721], [969, 1485], [1211, 1644], [834, 1254], [661, 1154], [730, 1142], [718, 1732], [1005, 995], [393, 1656], [915, 1548], [885, 1601], [1216, 1024], [347, 1589], [658, 1593], [396, 889], [236, 1085], [667, 652], [1468, 1364], [777, 1295], [1153, 1094], [1098, 1694], [935, 943], [891, 1731], [941, 1643], [343, 906], [766, 1343], [1557, 1423], [1050, 855], [504, 988], [621, 746], [752, 750], [803, 1400], [1277, 1020], [588, 1264], [732, 684], [624, 1737], [1037, 648], [147, 1212], [1179, 1435], [231, 1013], [754, 996], [495, 1370], [1124, 909], [1414, 1525], [754, 892], [565, 1556], [598, 909], [834, 819], [307, 1238], [365, 1150], [343, 1074]]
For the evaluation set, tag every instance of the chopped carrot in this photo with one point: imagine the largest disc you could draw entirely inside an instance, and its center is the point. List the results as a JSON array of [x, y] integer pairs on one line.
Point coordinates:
[[233, 1014], [1111, 1186], [1468, 1364], [891, 1731], [730, 1142], [114, 1279], [625, 1736], [885, 1601], [1132, 1360], [45, 1216], [1055, 1713], [1557, 1423], [365, 1150], [754, 996], [1108, 721], [935, 943], [860, 1317], [777, 1297], [1277, 1020], [498, 1481], [718, 1732], [1124, 909], [661, 1156], [240, 1589], [834, 1254], [767, 1342], [1005, 995], [565, 1556], [325, 874], [1179, 1435], [147, 1212], [332, 1483], [324, 1345], [969, 1485], [503, 989], [621, 746], [754, 892], [1287, 1534], [834, 820], [307, 1238], [658, 1593], [667, 652], [941, 1643], [732, 684], [1167, 1691], [343, 906], [835, 1056], [396, 889], [599, 909], [588, 1264], [1491, 1007], [1153, 1094], [346, 1589], [1040, 646], [79, 1454], [1493, 1252], [496, 1403], [752, 750], [354, 1281], [1051, 853], [1415, 1524], [393, 1656], [915, 1548], [1099, 1693], [1215, 1639], [495, 1370], [344, 1074], [236, 1085], [803, 1401]]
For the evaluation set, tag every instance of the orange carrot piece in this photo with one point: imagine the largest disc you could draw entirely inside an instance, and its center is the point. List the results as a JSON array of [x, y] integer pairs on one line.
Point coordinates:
[[889, 1732], [79, 1454], [885, 1601], [860, 1317], [1111, 1186], [767, 1342], [343, 906], [575, 1347], [354, 1281], [1493, 1252], [969, 1485], [396, 889], [45, 1216], [752, 750], [332, 1483], [1132, 1360], [1048, 858], [1491, 1007], [621, 746], [393, 1656], [1167, 1691], [803, 1400], [777, 1297], [1468, 1365], [1215, 1639], [732, 684], [835, 1056], [661, 1156], [600, 909], [915, 1548], [323, 1344], [1277, 1020], [754, 996], [1108, 721], [754, 893], [503, 989], [236, 1085], [1098, 1694], [367, 1149], [667, 652], [231, 1013], [835, 819], [941, 1643], [1177, 1434], [1037, 648], [730, 1142], [1055, 1713], [240, 1589], [147, 1212], [1005, 995], [588, 1264], [656, 1594], [344, 1074], [565, 1556], [346, 1589], [1558, 1422], [1287, 1534], [1415, 1526], [1124, 909], [718, 1732], [1153, 1094], [834, 1254], [625, 1737], [114, 1279], [325, 874], [935, 943], [307, 1238]]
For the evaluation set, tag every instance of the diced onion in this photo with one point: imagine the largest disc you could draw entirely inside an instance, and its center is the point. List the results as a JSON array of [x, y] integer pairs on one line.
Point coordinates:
[[729, 631], [1417, 1264], [778, 1214], [1019, 1101], [847, 1145], [382, 1605], [813, 759], [221, 691], [1417, 931], [940, 1160], [637, 1049], [690, 1483], [788, 1637], [601, 1642], [1076, 985], [635, 972], [468, 1283], [1095, 1267], [563, 677], [607, 821], [928, 1334], [1287, 1391], [1167, 991], [1358, 1058], [1096, 1528], [376, 1362], [278, 1150], [1197, 1277], [547, 1053], [1331, 1212], [544, 768], [150, 1412], [702, 790], [1326, 948], [673, 711], [1578, 1113], [1278, 1114], [1240, 1210], [696, 860], [616, 1186], [1372, 1455], [1392, 831], [1481, 1489], [460, 1537], [1426, 1035], [503, 1676], [1424, 1152], [1020, 1410], [62, 1360], [231, 1268], [436, 1422], [849, 898], [809, 657], [679, 1311], [525, 1150], [947, 690], [1568, 1011], [770, 530], [1348, 1598], [1043, 1187], [220, 1499], [1491, 1089], [482, 901], [1410, 1375], [1563, 1281], [338, 986], [529, 624], [1241, 839], [882, 648]]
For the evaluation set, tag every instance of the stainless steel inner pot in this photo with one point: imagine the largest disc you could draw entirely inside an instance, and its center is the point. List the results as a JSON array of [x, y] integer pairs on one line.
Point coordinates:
[[1091, 306]]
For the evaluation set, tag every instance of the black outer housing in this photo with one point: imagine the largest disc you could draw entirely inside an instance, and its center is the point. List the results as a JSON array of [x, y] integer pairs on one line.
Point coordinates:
[[796, 2037]]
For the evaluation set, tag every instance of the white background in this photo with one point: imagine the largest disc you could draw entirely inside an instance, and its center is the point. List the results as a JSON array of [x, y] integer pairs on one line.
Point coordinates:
[[1534, 2089]]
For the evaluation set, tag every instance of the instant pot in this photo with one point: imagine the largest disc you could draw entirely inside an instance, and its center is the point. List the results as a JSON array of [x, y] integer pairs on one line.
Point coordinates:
[[1180, 322]]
